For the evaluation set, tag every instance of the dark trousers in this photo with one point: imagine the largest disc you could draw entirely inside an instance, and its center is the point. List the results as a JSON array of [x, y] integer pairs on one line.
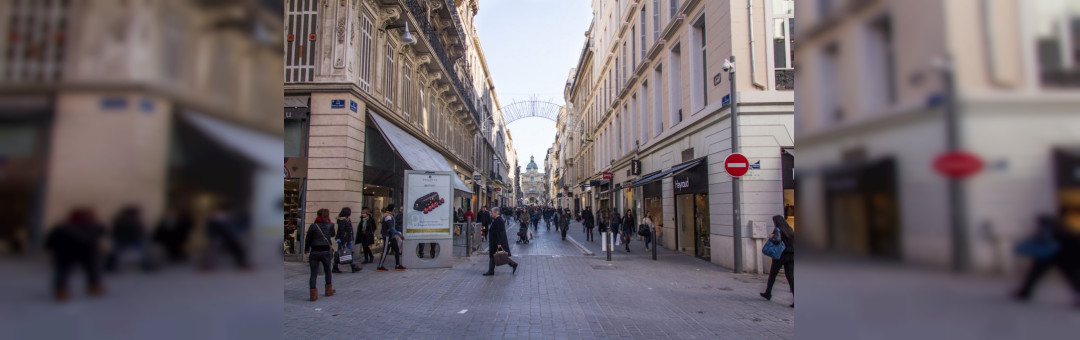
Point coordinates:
[[588, 234], [787, 260], [390, 244], [1040, 267], [366, 247], [64, 266], [648, 239], [491, 262], [564, 229], [315, 259]]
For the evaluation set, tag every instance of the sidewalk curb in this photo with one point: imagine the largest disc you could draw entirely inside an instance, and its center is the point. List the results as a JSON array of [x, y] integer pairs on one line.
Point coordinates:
[[584, 250]]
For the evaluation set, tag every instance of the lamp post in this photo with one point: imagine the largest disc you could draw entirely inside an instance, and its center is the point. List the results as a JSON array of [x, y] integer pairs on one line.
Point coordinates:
[[736, 199], [957, 200]]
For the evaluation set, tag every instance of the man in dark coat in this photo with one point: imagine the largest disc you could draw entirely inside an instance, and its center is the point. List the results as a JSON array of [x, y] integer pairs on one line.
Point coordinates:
[[76, 244], [497, 240], [587, 221]]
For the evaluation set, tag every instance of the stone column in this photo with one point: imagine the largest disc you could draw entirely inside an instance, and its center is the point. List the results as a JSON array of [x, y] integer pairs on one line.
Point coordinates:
[[335, 155]]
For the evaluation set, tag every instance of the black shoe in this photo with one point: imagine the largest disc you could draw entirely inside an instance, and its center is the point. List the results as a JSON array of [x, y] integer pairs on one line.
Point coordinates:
[[515, 268], [336, 271], [399, 268], [381, 269], [356, 269], [489, 274], [766, 296]]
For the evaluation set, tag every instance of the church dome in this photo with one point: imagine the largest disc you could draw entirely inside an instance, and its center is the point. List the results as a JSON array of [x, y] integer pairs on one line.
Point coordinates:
[[532, 164]]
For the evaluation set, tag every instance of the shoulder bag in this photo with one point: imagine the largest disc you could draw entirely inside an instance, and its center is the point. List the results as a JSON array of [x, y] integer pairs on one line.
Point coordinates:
[[774, 247]]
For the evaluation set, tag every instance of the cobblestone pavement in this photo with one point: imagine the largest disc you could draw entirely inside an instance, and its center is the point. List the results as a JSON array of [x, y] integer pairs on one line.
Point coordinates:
[[557, 293]]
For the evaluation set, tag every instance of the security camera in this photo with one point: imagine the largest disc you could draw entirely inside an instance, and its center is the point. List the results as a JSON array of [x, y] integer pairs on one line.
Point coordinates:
[[728, 66]]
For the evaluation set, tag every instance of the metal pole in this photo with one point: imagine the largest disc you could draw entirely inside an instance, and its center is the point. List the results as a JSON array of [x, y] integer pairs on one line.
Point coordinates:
[[957, 202], [735, 185]]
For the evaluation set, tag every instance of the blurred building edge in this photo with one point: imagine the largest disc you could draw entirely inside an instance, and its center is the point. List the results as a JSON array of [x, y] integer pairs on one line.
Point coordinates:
[[154, 103], [871, 124]]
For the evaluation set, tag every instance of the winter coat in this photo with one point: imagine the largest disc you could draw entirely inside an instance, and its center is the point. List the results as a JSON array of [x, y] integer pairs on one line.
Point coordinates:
[[344, 229], [365, 231], [497, 236], [316, 240]]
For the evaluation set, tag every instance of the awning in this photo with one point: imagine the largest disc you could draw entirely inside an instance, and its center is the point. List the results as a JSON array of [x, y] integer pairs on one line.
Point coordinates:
[[666, 173], [418, 155], [261, 148]]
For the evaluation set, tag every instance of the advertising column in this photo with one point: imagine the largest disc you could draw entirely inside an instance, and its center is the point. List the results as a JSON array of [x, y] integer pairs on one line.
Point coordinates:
[[428, 219]]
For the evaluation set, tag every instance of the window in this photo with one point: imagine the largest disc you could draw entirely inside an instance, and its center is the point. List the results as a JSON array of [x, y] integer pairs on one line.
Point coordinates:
[[658, 124], [830, 109], [877, 51], [783, 42], [633, 47], [625, 75], [655, 20], [406, 91], [642, 25], [365, 52], [389, 72], [643, 116], [301, 20], [1058, 43], [632, 123], [674, 8], [675, 85], [699, 67]]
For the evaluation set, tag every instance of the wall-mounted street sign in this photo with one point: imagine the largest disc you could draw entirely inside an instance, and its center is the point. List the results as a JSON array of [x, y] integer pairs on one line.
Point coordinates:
[[352, 106], [337, 103]]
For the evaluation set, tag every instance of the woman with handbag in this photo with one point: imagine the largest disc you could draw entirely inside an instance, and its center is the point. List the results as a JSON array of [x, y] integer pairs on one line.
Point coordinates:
[[345, 241], [319, 250], [497, 243], [365, 234], [646, 228], [782, 233], [1052, 245]]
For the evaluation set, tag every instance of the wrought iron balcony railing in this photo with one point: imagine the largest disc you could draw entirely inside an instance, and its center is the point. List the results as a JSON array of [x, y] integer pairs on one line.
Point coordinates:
[[785, 79], [440, 51]]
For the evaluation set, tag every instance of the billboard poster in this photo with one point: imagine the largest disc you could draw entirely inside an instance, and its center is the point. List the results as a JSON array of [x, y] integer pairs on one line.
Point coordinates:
[[428, 204]]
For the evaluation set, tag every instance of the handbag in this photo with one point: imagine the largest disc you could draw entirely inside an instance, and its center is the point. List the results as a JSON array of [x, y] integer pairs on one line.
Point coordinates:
[[501, 257], [345, 259], [1038, 248], [775, 246], [643, 230]]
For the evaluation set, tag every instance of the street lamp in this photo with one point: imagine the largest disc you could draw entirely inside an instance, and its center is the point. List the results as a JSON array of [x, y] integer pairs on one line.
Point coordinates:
[[406, 37], [736, 199]]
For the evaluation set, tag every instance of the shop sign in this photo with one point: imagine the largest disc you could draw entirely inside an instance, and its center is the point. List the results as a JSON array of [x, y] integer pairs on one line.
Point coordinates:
[[607, 176], [635, 168], [692, 181]]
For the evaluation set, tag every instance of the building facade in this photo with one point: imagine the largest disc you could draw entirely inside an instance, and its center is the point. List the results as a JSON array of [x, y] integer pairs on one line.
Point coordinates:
[[154, 104], [649, 107], [867, 176], [532, 183], [365, 101]]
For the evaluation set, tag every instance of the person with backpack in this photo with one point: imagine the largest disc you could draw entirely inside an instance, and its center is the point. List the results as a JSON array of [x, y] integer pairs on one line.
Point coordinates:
[[319, 250], [390, 236], [787, 257]]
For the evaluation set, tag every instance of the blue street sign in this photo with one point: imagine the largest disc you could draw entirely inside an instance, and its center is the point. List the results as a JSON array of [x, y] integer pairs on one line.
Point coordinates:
[[337, 103], [726, 100], [114, 103], [352, 106], [756, 166], [146, 105]]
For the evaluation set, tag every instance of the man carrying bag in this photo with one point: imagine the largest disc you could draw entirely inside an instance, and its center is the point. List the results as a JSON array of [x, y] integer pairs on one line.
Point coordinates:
[[497, 243]]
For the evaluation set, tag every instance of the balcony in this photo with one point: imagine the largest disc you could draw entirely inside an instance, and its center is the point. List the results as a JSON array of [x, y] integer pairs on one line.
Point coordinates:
[[440, 51]]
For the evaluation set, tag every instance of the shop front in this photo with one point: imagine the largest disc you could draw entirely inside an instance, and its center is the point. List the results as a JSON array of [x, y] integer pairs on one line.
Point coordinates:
[[25, 129], [297, 124], [1067, 168], [692, 226], [787, 161]]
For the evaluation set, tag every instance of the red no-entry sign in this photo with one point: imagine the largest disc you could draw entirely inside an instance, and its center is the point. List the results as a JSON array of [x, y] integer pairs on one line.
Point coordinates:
[[958, 164], [736, 164]]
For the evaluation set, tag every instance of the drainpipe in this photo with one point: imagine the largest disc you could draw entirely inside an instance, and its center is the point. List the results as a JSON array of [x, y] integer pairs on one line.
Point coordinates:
[[750, 19], [993, 69]]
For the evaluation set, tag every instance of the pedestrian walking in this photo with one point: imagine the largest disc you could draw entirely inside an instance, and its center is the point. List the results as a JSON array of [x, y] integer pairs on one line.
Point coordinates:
[[76, 243], [787, 258], [485, 221], [365, 234], [345, 237], [614, 223], [319, 250], [129, 239], [172, 234], [469, 216], [601, 223], [628, 228], [566, 223], [497, 241], [390, 236], [646, 229], [1052, 245], [225, 232]]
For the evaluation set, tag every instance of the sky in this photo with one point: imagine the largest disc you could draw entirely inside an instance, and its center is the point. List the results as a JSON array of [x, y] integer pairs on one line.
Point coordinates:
[[530, 47]]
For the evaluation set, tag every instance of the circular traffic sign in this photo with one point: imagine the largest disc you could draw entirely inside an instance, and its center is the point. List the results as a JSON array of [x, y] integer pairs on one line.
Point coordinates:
[[958, 164], [736, 164]]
